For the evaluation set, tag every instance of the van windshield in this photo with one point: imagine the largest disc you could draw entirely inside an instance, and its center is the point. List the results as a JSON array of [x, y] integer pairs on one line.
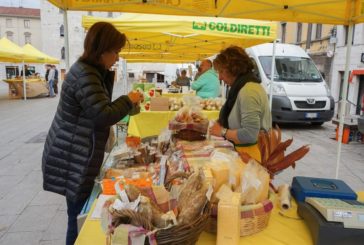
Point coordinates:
[[293, 69]]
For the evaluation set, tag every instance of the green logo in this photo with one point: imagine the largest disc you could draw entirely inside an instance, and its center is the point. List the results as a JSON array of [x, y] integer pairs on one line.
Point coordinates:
[[256, 30]]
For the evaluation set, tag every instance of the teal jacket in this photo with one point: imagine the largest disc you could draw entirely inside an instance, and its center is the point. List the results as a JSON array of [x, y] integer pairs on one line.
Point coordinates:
[[207, 85]]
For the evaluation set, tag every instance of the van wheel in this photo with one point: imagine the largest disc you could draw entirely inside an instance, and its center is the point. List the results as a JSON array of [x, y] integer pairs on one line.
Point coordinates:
[[317, 123]]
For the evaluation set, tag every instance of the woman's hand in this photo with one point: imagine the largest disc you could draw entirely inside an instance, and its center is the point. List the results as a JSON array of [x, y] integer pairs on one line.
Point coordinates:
[[215, 129], [136, 97]]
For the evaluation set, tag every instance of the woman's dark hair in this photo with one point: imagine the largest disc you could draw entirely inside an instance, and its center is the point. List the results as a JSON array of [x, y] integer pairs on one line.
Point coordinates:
[[234, 60], [101, 37]]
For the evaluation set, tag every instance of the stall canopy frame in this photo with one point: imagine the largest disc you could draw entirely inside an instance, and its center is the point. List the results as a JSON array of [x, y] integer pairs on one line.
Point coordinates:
[[337, 12], [178, 39]]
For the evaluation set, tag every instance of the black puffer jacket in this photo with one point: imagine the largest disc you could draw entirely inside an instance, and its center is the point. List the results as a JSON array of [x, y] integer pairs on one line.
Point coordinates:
[[74, 149]]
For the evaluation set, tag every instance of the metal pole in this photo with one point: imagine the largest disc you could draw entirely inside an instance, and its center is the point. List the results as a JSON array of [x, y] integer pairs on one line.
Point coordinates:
[[272, 69], [24, 83], [344, 97], [66, 40], [125, 67]]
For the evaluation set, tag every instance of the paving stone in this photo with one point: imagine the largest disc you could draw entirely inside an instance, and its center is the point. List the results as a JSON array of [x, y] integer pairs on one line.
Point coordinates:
[[21, 238], [5, 222], [35, 218], [48, 198], [7, 183], [15, 201], [57, 228], [53, 242]]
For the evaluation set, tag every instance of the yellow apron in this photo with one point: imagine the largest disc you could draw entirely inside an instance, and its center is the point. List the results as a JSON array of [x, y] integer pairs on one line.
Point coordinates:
[[251, 149]]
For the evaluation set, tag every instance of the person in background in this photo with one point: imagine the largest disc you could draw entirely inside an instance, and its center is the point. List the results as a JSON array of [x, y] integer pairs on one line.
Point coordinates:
[[55, 83], [198, 73], [48, 67], [207, 85], [246, 110], [27, 71], [183, 80], [50, 78], [74, 148]]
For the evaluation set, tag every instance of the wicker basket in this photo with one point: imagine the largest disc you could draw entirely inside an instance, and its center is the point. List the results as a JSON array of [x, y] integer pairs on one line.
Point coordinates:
[[254, 218], [184, 234]]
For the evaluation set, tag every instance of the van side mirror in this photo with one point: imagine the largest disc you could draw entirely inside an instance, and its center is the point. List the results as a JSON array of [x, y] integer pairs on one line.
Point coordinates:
[[322, 74]]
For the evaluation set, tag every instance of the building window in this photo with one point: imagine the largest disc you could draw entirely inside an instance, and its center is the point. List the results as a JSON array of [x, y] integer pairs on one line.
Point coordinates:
[[346, 31], [63, 53], [27, 24], [9, 23], [318, 31], [27, 37], [109, 14], [61, 30], [61, 11], [299, 32], [10, 35], [283, 27]]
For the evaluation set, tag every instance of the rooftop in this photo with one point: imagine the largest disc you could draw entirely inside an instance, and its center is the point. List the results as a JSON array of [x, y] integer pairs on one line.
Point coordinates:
[[19, 11]]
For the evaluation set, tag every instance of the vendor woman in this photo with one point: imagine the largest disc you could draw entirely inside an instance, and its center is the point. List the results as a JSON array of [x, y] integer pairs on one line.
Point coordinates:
[[246, 110]]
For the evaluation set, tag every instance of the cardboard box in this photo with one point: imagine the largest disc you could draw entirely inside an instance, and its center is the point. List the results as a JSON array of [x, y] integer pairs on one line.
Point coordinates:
[[159, 104]]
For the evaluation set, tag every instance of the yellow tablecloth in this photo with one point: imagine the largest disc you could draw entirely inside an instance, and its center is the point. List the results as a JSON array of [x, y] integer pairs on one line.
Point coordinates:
[[149, 123], [175, 95], [282, 229]]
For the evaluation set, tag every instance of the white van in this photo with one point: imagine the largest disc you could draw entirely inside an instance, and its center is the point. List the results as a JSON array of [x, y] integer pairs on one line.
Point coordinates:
[[300, 94]]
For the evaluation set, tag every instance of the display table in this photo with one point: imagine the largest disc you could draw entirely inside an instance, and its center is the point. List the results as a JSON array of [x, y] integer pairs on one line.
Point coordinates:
[[283, 228], [149, 123], [34, 87]]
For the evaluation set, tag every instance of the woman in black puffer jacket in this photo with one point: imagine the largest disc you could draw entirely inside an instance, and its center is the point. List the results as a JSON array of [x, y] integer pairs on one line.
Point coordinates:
[[74, 149]]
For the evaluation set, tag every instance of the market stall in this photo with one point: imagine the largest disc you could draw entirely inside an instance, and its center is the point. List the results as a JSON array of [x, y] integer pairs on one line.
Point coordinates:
[[10, 52], [144, 124], [35, 87], [283, 228]]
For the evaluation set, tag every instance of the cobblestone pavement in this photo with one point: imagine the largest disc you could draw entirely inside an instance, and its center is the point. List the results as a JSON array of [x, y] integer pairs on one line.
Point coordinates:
[[28, 215]]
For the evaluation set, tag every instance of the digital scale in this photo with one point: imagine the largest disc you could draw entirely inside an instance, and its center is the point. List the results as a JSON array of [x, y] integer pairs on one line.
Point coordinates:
[[348, 212], [324, 232]]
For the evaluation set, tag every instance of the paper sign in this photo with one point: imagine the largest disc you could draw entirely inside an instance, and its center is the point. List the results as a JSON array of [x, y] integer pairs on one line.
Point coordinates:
[[96, 214]]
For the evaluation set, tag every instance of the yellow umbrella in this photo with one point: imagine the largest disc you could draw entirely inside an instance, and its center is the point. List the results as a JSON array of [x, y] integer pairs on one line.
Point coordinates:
[[312, 11], [183, 38], [38, 56]]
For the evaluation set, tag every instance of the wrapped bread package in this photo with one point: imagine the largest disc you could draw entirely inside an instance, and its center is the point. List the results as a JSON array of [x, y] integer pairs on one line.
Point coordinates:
[[228, 222], [220, 173], [254, 184]]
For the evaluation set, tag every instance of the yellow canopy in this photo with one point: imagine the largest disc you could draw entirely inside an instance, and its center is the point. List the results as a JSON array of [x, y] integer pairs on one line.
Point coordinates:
[[10, 52], [182, 38], [40, 57], [312, 11]]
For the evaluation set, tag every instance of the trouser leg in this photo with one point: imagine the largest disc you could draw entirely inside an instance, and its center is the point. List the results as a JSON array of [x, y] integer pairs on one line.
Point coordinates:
[[73, 210]]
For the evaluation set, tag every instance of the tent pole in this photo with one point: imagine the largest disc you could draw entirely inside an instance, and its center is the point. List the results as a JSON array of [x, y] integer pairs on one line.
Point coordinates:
[[24, 83], [66, 40], [272, 75], [125, 67], [344, 97]]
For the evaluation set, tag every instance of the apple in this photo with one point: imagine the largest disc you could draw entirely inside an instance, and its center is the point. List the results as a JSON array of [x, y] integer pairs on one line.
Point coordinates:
[[147, 106], [151, 92]]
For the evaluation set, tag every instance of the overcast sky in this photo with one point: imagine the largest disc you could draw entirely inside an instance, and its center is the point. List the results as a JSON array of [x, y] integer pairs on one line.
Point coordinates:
[[22, 3]]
